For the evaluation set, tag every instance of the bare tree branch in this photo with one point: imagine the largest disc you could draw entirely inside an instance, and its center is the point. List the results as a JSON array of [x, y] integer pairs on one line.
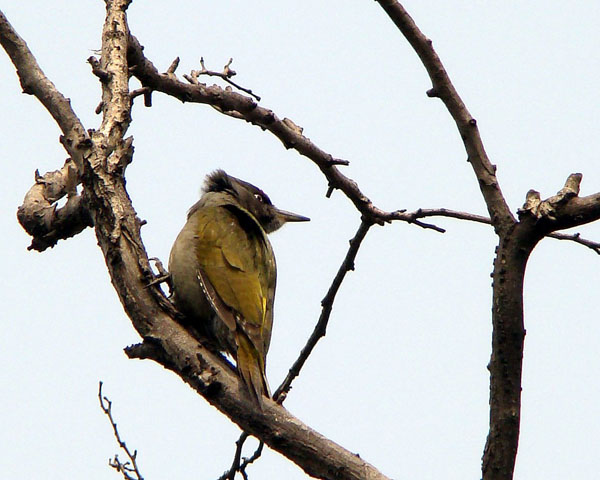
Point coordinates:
[[566, 209], [226, 75], [502, 218], [34, 82], [327, 304], [131, 466], [516, 242], [237, 458], [167, 342], [39, 215], [286, 130], [101, 158], [238, 464], [575, 237], [210, 375], [43, 219]]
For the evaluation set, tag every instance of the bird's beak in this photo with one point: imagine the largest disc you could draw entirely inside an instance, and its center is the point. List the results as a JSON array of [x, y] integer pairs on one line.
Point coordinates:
[[291, 217]]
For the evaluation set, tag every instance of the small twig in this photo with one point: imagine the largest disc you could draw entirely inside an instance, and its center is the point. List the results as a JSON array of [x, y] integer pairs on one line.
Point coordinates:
[[247, 461], [319, 331], [173, 66], [444, 212], [339, 161], [327, 305], [97, 70], [226, 75], [131, 465], [146, 92], [238, 465], [575, 237], [235, 466]]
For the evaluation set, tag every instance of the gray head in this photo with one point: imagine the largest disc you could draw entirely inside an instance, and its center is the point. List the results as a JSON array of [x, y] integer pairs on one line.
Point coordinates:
[[252, 199]]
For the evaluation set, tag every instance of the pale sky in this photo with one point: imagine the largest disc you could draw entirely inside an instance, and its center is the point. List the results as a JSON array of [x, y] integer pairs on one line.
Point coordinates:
[[401, 376]]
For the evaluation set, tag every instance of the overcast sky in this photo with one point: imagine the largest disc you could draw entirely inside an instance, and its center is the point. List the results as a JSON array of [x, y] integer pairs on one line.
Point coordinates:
[[401, 376]]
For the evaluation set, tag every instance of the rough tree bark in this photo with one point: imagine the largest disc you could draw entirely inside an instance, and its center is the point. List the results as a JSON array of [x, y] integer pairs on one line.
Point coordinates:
[[98, 160], [516, 240]]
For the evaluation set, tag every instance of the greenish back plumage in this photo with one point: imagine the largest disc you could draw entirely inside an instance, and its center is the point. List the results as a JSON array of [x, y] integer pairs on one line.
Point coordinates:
[[224, 274]]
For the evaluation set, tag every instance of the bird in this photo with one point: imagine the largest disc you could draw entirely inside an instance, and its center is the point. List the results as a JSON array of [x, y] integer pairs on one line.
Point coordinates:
[[223, 272]]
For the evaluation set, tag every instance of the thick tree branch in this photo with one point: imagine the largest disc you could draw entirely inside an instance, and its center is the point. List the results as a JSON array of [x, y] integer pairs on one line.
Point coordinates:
[[115, 90], [118, 232], [506, 361], [34, 82], [40, 216], [502, 218], [287, 131], [537, 219], [169, 344], [563, 210]]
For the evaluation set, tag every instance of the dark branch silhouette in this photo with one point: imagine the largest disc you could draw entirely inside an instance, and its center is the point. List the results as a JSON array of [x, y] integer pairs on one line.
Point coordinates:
[[99, 157], [517, 239], [130, 467]]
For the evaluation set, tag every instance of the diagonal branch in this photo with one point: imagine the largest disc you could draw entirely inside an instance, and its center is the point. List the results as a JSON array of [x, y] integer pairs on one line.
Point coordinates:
[[319, 331], [327, 304], [574, 237], [131, 466], [169, 344], [34, 82], [165, 340], [39, 214], [502, 218], [286, 130], [516, 242]]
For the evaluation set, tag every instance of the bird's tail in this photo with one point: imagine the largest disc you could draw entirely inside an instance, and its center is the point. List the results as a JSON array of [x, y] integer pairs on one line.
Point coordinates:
[[251, 365]]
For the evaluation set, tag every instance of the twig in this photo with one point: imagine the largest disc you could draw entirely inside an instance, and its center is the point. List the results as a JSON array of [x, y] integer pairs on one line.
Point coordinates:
[[575, 237], [146, 92], [173, 66], [238, 465], [466, 124], [226, 75], [131, 465], [243, 107], [247, 461], [97, 70], [327, 305], [235, 466], [319, 331], [444, 212]]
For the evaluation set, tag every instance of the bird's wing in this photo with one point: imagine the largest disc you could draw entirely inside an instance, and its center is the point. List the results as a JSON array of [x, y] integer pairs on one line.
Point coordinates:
[[237, 269], [233, 258]]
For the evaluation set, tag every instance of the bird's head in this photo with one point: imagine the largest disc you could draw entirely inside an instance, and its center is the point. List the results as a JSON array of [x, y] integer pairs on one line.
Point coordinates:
[[252, 199]]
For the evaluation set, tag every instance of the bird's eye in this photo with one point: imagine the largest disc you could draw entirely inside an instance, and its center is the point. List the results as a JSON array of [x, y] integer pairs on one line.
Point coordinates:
[[259, 197]]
